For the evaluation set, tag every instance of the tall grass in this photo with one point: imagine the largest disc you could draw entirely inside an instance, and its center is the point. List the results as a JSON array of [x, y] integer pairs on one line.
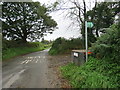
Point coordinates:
[[93, 74]]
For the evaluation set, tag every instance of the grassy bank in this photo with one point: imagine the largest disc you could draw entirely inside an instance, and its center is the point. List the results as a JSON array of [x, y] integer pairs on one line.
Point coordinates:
[[93, 74], [13, 50]]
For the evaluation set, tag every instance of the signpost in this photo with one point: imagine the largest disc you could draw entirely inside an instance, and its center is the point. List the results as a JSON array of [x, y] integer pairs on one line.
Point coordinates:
[[90, 25]]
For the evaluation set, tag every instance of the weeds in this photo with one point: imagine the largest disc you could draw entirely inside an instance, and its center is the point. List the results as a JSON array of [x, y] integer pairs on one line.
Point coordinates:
[[93, 74]]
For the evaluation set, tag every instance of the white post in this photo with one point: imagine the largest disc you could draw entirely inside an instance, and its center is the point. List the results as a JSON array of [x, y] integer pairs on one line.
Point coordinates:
[[86, 42]]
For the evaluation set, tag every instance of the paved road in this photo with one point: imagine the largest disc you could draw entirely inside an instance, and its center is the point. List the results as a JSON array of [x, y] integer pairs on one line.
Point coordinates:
[[28, 71]]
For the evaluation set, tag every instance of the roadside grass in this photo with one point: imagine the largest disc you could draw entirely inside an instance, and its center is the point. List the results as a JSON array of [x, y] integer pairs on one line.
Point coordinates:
[[23, 49], [93, 74]]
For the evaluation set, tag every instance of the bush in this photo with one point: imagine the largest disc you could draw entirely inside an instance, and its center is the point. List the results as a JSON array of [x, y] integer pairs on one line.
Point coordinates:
[[100, 72], [6, 44], [61, 45], [108, 45]]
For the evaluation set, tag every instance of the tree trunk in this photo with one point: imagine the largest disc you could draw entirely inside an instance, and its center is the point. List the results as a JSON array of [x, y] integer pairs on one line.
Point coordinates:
[[97, 33], [24, 39], [24, 26]]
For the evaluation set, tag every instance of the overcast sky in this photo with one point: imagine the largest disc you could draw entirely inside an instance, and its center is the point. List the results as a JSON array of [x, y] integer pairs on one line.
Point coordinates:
[[63, 24]]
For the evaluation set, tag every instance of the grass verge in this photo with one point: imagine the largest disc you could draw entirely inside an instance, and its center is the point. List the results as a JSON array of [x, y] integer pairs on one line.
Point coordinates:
[[12, 52], [93, 74]]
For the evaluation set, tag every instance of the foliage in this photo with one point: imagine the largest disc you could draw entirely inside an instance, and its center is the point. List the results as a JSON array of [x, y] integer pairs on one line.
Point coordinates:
[[100, 72], [61, 45], [77, 12], [93, 74], [14, 44], [14, 48], [103, 15], [108, 45], [25, 20], [45, 41]]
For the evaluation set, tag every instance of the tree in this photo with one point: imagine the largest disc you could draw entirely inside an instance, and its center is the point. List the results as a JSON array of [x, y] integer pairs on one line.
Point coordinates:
[[77, 11], [102, 15], [25, 20]]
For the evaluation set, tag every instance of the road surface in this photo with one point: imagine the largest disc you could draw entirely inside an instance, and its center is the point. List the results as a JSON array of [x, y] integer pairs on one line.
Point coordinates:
[[27, 71]]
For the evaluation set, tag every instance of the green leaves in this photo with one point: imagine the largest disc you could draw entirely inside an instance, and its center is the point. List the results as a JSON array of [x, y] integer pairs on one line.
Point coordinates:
[[103, 14], [26, 20], [108, 45], [62, 45]]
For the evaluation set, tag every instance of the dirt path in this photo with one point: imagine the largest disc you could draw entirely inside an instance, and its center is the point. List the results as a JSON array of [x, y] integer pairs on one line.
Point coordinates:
[[55, 62], [35, 70]]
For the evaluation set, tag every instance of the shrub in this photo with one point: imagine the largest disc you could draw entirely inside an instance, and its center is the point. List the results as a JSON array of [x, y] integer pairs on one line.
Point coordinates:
[[6, 44], [108, 45], [100, 72], [61, 45]]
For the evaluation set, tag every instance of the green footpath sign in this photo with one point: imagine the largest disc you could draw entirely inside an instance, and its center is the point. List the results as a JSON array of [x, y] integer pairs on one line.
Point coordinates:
[[89, 24]]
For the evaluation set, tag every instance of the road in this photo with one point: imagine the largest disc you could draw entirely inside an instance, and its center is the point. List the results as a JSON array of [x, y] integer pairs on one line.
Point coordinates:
[[27, 71]]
